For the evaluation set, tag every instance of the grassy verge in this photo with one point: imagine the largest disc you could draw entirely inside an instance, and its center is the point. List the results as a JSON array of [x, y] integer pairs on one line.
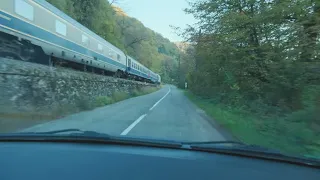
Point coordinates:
[[283, 134], [120, 96]]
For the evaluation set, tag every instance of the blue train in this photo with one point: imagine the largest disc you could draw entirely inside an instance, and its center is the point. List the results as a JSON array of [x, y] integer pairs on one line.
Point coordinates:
[[34, 29]]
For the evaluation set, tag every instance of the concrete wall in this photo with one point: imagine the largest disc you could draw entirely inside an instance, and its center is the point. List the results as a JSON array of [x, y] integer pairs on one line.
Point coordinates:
[[33, 88]]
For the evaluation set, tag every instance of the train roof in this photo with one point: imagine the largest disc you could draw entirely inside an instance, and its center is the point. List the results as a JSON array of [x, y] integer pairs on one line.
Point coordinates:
[[75, 23], [138, 62]]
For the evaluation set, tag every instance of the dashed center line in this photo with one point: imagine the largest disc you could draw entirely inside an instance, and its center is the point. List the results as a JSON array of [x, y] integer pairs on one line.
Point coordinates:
[[160, 100], [126, 131]]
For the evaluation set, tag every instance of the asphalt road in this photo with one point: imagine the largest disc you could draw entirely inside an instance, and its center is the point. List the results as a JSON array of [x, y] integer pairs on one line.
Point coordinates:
[[165, 114]]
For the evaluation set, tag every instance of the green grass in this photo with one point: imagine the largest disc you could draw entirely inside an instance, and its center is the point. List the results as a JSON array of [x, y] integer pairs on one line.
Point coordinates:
[[103, 101], [144, 91], [120, 96], [283, 134]]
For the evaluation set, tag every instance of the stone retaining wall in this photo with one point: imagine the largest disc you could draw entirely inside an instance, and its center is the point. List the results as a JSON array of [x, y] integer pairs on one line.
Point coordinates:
[[33, 88]]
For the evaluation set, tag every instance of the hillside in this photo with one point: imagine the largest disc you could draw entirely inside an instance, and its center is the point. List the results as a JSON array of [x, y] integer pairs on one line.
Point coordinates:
[[127, 33]]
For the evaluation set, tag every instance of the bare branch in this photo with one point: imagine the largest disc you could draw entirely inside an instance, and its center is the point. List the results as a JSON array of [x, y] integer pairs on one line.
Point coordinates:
[[111, 2], [135, 41]]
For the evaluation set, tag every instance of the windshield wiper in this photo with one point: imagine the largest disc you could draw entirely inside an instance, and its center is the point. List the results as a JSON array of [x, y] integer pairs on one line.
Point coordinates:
[[241, 149], [214, 143], [70, 131], [80, 136], [233, 144]]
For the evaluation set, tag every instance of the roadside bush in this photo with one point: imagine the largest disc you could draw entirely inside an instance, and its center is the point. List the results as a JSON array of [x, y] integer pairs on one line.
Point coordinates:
[[295, 133], [120, 96], [100, 101], [84, 104], [148, 90], [103, 101], [143, 91], [135, 93]]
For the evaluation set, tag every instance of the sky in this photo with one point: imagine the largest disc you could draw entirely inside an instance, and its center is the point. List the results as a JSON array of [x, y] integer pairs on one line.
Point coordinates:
[[158, 15]]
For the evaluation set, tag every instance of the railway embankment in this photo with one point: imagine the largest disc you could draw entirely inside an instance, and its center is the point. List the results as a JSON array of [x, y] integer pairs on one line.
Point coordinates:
[[34, 91]]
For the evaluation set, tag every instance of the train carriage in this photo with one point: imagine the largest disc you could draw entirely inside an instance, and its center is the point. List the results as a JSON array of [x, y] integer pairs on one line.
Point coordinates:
[[32, 27], [58, 35]]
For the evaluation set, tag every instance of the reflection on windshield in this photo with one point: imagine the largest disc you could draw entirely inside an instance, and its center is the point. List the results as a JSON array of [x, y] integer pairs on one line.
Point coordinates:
[[205, 71]]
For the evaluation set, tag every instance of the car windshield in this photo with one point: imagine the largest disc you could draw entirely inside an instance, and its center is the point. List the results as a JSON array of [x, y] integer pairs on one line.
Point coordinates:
[[243, 72]]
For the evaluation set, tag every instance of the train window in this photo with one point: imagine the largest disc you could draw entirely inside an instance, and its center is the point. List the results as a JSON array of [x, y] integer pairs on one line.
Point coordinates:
[[118, 57], [61, 28], [24, 9], [85, 39], [100, 47]]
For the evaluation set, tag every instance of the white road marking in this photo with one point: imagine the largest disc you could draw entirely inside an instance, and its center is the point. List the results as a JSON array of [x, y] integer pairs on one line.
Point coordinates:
[[160, 100], [126, 131]]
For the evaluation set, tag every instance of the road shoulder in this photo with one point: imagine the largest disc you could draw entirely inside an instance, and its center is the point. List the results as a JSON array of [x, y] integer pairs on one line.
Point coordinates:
[[227, 135]]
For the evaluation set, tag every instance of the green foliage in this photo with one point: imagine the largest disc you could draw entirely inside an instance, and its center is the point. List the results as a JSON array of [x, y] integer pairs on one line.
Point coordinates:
[[119, 96], [84, 104], [255, 50], [103, 101], [258, 59], [143, 91], [146, 46], [288, 135]]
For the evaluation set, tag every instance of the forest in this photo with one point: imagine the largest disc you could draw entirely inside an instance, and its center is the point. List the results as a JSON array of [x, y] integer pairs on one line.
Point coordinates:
[[128, 34], [254, 65]]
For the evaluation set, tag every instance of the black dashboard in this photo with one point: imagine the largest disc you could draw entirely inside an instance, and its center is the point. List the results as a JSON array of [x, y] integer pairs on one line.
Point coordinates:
[[54, 160]]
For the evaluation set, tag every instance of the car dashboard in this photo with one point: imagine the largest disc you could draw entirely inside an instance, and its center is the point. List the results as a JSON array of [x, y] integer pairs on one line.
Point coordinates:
[[56, 160]]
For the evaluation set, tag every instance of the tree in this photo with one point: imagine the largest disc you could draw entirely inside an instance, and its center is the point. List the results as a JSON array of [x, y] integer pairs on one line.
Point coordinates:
[[255, 50]]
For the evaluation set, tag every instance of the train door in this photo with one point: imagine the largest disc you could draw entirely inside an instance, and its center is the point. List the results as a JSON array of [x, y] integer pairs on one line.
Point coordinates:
[[129, 64]]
